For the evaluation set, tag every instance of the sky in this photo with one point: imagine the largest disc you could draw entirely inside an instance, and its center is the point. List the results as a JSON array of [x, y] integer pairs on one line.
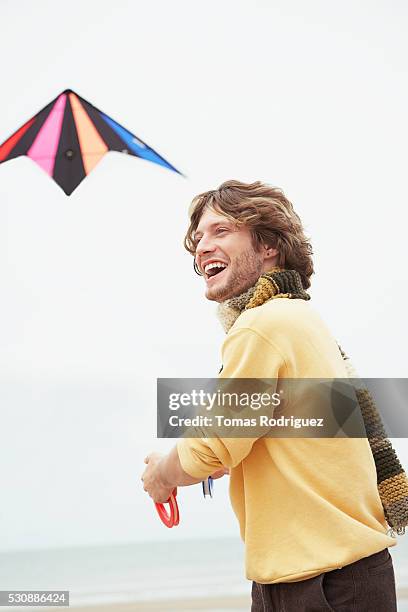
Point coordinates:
[[98, 297]]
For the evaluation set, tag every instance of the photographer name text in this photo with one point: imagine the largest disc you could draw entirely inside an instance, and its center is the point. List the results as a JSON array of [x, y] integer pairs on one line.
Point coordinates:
[[258, 421]]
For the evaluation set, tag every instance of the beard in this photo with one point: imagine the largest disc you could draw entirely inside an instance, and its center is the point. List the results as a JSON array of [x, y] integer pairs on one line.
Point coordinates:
[[242, 273]]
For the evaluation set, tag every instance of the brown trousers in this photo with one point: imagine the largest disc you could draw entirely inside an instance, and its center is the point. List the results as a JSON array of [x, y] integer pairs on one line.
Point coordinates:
[[368, 585]]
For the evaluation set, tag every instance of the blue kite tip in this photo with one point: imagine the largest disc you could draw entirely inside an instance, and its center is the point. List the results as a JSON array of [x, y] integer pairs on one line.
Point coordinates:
[[178, 171]]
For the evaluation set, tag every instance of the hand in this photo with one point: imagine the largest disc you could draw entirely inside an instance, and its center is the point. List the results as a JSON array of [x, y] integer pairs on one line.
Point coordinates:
[[152, 480]]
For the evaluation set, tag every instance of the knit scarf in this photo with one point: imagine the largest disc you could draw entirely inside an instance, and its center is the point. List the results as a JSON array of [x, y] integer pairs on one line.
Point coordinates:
[[392, 480]]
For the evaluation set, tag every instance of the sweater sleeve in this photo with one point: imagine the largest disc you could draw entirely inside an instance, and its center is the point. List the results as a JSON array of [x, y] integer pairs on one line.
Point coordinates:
[[246, 354]]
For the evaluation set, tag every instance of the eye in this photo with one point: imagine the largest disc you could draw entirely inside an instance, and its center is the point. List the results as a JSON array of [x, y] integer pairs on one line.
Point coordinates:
[[219, 230]]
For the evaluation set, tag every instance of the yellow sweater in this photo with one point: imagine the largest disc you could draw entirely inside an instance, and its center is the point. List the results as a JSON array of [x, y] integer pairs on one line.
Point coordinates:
[[305, 505]]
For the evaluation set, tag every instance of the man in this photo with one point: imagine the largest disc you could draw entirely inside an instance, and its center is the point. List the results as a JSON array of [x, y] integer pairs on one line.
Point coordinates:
[[308, 508]]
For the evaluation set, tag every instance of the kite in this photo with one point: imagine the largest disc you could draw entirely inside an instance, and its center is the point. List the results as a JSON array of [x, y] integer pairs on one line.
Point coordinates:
[[69, 136]]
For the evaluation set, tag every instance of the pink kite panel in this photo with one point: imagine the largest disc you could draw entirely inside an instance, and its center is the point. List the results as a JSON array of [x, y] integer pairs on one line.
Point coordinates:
[[44, 148]]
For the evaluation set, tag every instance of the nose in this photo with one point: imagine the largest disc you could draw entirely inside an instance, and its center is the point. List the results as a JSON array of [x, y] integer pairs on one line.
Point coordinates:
[[206, 245]]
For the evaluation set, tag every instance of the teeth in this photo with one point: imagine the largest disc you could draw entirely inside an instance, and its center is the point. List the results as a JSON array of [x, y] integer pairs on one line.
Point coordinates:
[[216, 264]]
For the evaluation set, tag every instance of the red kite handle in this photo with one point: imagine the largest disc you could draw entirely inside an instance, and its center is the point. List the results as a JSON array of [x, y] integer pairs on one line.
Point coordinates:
[[171, 519]]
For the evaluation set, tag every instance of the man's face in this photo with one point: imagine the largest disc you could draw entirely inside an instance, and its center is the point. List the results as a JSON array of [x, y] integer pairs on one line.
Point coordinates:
[[226, 257]]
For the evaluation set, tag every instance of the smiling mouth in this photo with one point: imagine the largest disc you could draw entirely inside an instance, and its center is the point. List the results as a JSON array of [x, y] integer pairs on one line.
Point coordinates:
[[215, 271]]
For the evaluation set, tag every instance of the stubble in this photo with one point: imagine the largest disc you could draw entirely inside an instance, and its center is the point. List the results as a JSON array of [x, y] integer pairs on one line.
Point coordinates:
[[244, 272]]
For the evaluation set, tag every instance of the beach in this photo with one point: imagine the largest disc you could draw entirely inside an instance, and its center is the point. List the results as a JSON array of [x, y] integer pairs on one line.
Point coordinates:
[[217, 604]]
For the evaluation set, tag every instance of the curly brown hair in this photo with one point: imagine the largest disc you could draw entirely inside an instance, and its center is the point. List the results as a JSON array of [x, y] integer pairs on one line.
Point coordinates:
[[269, 215]]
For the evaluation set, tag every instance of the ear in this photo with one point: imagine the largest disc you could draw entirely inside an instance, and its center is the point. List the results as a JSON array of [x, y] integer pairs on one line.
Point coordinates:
[[269, 252]]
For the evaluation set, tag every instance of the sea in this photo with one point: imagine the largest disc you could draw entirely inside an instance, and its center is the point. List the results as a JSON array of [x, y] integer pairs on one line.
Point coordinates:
[[143, 572], [146, 571]]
